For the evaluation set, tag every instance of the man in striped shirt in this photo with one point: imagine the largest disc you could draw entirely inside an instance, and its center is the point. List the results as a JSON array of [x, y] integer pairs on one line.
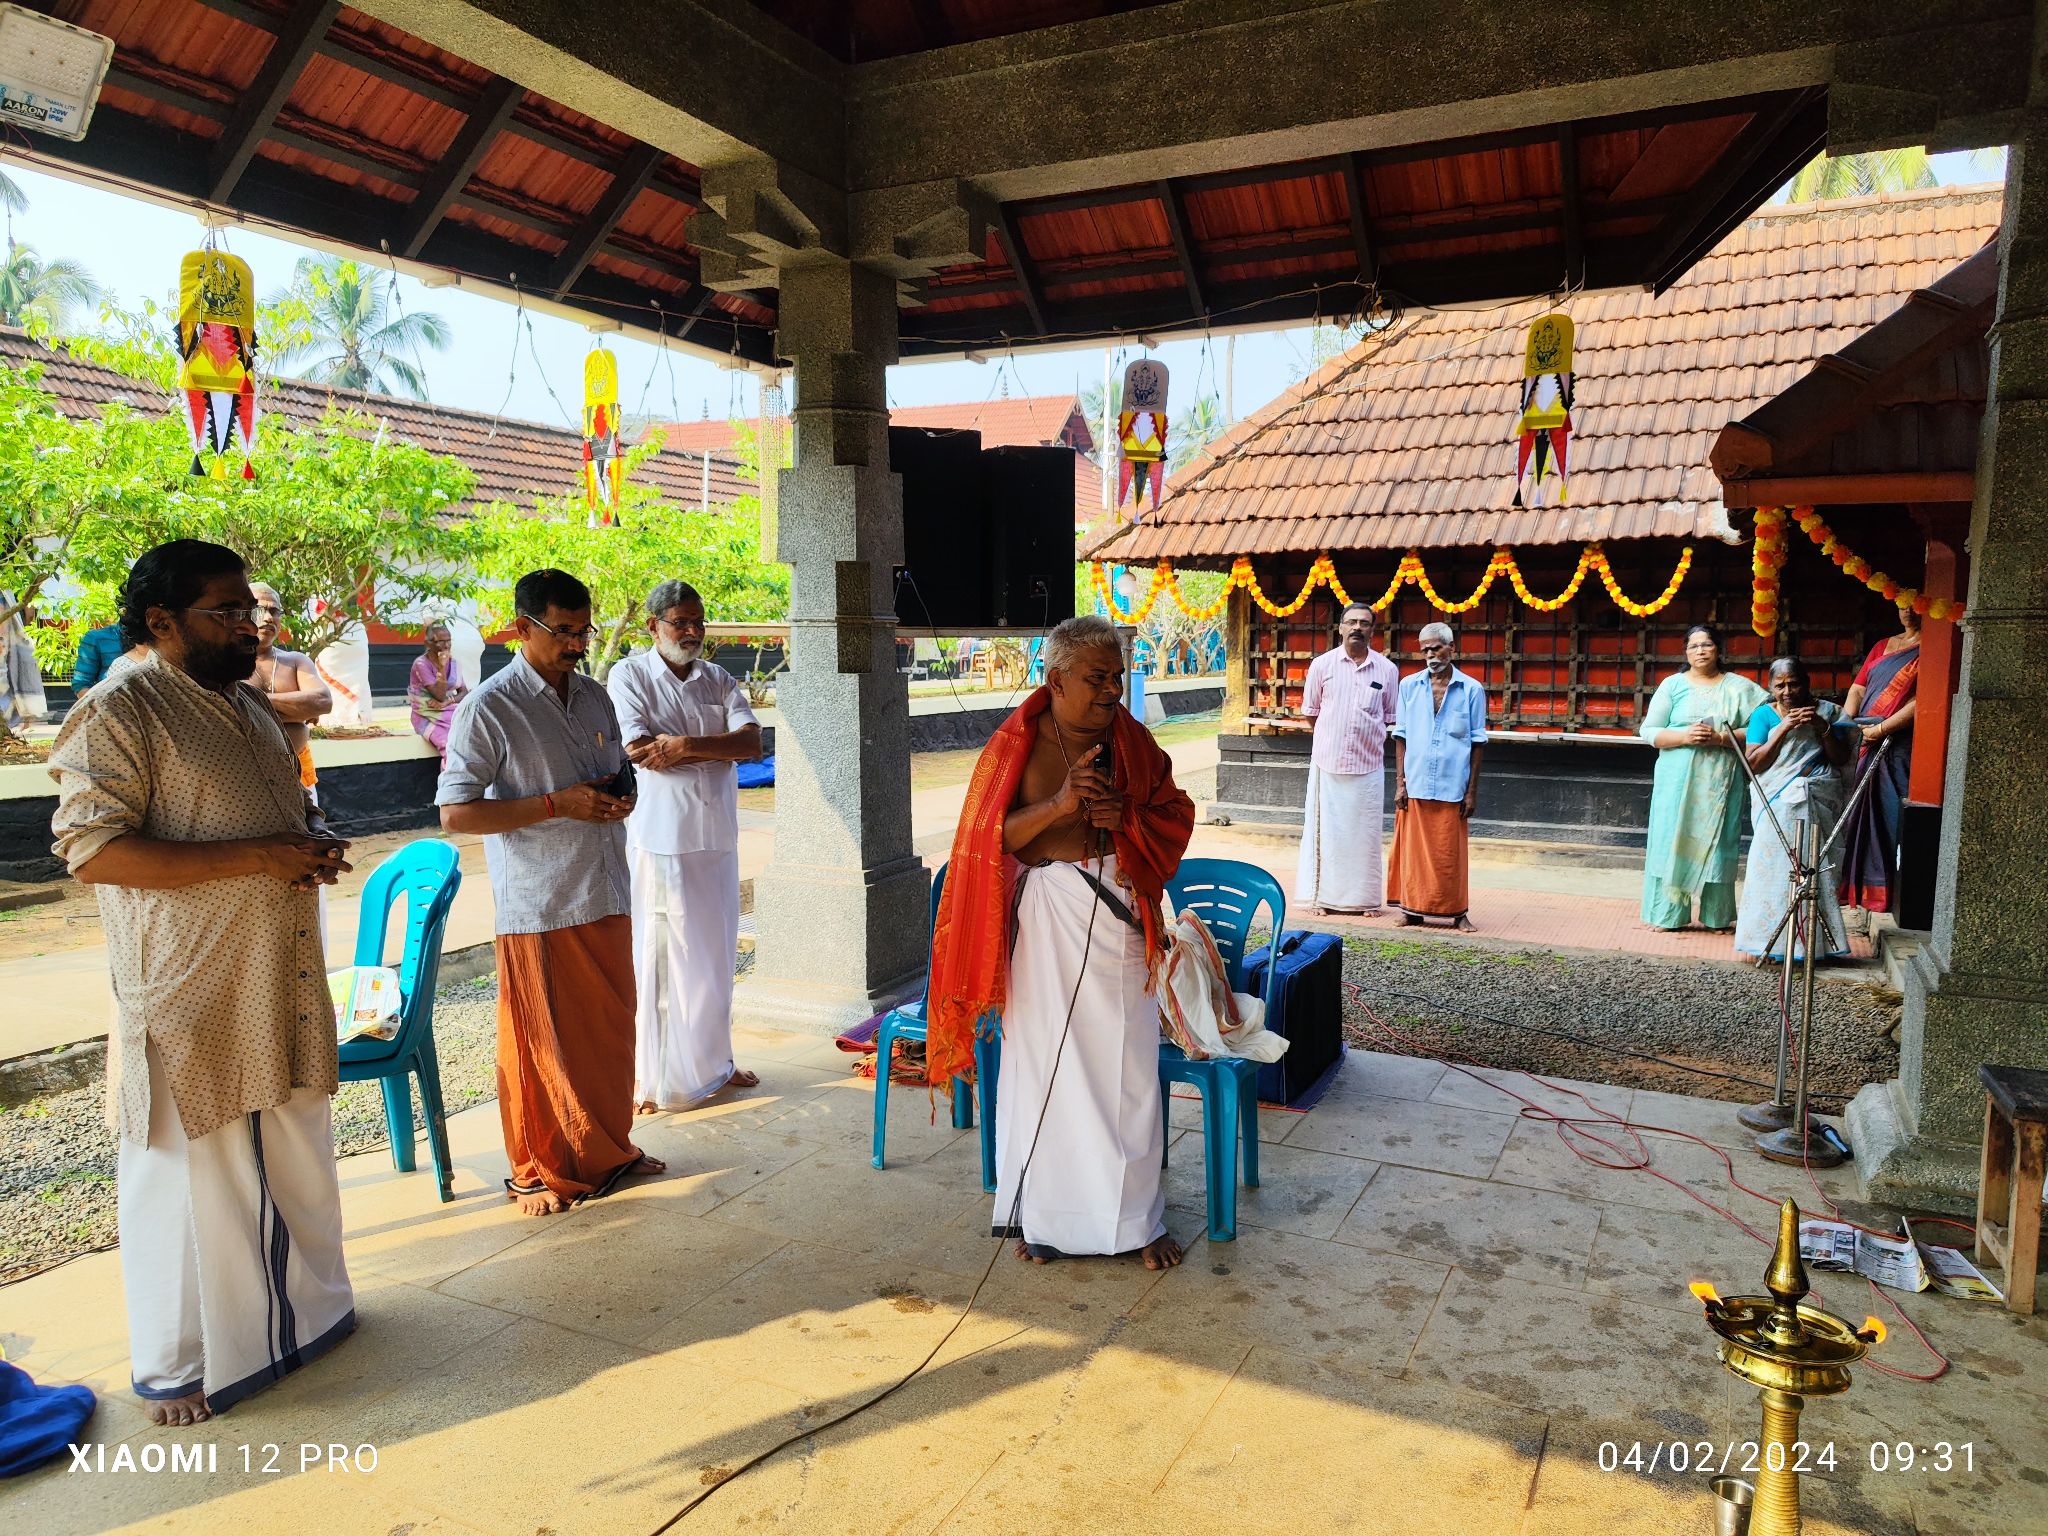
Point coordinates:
[[1350, 694]]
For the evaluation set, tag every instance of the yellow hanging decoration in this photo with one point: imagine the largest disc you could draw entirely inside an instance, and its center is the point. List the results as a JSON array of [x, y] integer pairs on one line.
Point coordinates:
[[1322, 572], [1855, 565]]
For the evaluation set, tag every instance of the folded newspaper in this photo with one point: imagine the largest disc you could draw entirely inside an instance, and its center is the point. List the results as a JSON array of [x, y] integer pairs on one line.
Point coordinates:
[[365, 1001], [1903, 1263]]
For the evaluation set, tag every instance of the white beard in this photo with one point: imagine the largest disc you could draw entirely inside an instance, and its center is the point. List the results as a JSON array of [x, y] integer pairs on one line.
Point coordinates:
[[675, 653]]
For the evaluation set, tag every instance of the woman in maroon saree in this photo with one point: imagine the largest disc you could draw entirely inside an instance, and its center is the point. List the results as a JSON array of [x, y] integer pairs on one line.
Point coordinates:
[[1881, 702]]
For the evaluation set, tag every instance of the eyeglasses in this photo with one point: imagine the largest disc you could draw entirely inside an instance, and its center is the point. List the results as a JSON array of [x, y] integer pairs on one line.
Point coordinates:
[[587, 633], [233, 618], [687, 626], [270, 610]]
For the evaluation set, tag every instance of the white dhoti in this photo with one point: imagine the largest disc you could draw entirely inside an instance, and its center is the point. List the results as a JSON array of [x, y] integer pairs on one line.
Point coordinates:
[[1093, 1181], [686, 934], [1343, 841], [231, 1248]]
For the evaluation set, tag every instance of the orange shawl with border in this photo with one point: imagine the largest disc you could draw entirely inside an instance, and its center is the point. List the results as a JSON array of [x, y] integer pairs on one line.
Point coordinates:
[[971, 937]]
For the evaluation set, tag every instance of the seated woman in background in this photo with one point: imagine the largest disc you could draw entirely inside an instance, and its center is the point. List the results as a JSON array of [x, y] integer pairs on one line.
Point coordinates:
[[1695, 834], [1798, 747], [435, 688]]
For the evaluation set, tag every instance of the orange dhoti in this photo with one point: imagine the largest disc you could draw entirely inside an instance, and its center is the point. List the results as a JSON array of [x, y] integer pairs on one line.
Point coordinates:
[[1428, 873], [565, 1057]]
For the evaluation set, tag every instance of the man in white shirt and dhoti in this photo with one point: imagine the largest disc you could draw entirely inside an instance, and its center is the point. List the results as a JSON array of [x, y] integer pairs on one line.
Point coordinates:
[[1350, 694], [686, 724], [1073, 799], [180, 801]]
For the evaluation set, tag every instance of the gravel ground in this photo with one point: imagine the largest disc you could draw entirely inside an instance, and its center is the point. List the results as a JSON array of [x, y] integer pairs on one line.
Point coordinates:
[[57, 1157], [1437, 992]]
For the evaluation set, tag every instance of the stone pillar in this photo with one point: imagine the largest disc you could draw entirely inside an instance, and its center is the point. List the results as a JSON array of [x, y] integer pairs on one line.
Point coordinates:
[[841, 911], [1978, 992]]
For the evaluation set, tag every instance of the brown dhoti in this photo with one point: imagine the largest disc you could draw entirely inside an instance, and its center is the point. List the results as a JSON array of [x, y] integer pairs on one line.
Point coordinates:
[[1428, 874], [565, 1057]]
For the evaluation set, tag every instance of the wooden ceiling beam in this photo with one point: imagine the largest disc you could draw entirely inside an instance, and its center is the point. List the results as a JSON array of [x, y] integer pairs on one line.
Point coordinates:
[[1571, 216], [1361, 220], [1175, 204], [298, 35], [1706, 198], [629, 180], [1028, 285], [487, 118]]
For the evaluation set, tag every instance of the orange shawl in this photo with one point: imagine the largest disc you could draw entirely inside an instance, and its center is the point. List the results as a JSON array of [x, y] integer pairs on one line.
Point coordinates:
[[971, 937]]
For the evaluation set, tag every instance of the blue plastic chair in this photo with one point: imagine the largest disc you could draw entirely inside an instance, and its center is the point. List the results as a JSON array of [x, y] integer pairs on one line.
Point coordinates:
[[1226, 895], [908, 1023], [426, 874]]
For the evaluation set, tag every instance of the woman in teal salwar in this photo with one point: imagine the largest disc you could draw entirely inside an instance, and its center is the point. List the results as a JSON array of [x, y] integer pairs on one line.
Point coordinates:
[[1697, 798]]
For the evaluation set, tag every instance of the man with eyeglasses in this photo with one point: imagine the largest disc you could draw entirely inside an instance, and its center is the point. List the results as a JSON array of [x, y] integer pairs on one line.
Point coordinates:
[[534, 765], [180, 802], [1349, 695], [687, 725], [290, 681]]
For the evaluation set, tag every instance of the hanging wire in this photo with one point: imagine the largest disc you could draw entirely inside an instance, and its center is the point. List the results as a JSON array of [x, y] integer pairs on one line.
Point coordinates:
[[533, 351], [512, 367], [419, 363]]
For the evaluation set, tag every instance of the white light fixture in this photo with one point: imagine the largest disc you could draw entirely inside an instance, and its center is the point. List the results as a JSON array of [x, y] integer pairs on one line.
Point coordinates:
[[440, 280], [50, 72], [976, 357], [600, 327], [1126, 586]]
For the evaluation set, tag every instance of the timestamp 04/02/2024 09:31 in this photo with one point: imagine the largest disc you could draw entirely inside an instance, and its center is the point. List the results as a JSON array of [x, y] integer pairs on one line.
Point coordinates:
[[1650, 1457]]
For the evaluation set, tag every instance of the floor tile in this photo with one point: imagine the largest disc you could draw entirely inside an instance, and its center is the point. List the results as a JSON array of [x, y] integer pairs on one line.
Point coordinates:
[[1299, 1191], [1410, 1132], [1485, 1229]]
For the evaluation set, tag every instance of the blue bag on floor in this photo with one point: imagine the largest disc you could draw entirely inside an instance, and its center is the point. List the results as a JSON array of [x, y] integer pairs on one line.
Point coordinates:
[[757, 775], [1308, 1008], [37, 1423]]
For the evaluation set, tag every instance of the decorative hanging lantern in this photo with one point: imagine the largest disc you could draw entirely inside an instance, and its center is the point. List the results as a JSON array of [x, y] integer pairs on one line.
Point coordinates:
[[602, 464], [217, 359], [1545, 424], [1141, 431]]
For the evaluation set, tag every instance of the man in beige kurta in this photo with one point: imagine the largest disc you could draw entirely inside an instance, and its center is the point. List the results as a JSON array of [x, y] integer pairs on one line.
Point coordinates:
[[180, 801]]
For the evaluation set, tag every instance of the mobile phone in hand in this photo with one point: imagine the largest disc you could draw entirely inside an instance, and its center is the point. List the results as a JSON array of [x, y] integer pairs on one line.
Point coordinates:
[[624, 784]]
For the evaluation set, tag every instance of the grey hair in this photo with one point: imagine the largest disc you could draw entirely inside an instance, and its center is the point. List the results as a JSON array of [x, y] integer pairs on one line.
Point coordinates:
[[667, 594], [1075, 637], [1438, 631]]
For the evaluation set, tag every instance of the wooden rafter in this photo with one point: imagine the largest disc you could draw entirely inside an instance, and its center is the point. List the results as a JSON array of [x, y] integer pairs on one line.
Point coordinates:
[[1684, 230], [493, 109], [700, 304], [298, 35], [628, 181], [1174, 202], [1572, 216], [1027, 280], [1361, 223]]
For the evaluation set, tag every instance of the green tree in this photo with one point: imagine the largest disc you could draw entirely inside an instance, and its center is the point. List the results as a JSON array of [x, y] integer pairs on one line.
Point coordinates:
[[1091, 412], [1192, 431], [718, 552], [34, 292], [1890, 170], [335, 324], [12, 198]]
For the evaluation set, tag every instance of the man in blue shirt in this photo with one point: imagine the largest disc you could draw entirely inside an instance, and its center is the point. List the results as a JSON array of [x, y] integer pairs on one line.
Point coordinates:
[[1437, 743]]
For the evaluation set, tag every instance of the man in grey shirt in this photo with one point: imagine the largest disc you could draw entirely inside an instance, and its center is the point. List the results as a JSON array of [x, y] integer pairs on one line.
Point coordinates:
[[533, 759]]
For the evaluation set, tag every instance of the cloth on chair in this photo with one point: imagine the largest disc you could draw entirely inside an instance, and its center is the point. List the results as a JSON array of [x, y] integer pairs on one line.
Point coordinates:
[[1093, 1184], [1198, 1010]]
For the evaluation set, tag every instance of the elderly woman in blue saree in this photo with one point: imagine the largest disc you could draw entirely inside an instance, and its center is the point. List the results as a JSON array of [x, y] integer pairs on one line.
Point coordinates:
[[1882, 702], [1695, 834], [1798, 747]]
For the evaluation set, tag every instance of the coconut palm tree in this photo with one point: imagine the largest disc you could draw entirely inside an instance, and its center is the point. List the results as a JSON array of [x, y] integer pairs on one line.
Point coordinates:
[[46, 292], [1193, 430], [1889, 170], [12, 198], [340, 329]]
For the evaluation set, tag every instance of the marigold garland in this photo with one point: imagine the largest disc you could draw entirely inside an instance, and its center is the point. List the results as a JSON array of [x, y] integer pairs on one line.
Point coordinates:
[[1323, 573], [1766, 559], [1852, 564]]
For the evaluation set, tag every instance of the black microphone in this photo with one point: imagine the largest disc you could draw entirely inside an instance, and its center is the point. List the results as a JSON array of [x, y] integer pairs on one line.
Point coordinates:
[[1102, 761]]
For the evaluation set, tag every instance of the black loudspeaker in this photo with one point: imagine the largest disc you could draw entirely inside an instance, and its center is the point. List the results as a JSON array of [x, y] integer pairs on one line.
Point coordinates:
[[1029, 494], [1919, 862], [945, 530]]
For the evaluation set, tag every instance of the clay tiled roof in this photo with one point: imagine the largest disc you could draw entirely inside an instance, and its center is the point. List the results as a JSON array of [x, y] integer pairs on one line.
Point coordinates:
[[1406, 440], [1032, 421], [513, 461]]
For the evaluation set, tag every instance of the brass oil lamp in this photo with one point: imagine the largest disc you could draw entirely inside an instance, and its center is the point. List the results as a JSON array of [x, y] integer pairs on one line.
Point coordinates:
[[1789, 1351]]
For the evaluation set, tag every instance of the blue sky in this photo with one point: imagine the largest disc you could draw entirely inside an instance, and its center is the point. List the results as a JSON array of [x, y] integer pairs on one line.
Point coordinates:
[[132, 247]]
